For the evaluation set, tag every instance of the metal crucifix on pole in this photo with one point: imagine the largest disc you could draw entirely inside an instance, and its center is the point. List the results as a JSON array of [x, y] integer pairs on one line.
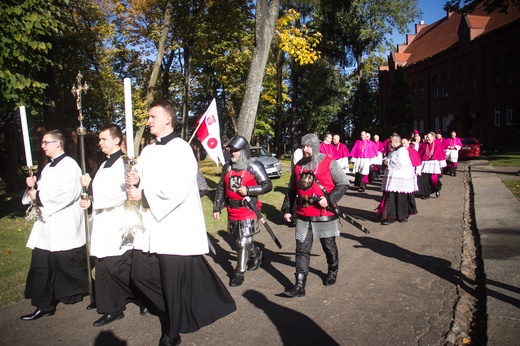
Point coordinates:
[[81, 131]]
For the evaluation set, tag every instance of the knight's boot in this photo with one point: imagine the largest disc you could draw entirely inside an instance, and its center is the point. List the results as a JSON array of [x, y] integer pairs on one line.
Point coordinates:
[[256, 260], [238, 279], [299, 289], [332, 276]]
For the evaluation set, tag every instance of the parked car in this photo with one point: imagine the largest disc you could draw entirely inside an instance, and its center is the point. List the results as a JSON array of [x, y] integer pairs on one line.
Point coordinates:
[[271, 164], [470, 148]]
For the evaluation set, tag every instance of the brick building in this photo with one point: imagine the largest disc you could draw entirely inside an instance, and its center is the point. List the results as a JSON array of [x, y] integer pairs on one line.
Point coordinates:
[[463, 74]]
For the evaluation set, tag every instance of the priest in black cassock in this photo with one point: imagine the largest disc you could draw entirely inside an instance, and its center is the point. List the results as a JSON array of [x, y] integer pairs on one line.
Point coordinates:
[[168, 263]]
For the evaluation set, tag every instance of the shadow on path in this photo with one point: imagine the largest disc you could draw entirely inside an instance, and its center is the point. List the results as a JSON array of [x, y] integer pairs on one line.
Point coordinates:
[[293, 327]]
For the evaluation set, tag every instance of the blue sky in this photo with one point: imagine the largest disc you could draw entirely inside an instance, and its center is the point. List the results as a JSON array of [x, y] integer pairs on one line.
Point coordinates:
[[432, 12]]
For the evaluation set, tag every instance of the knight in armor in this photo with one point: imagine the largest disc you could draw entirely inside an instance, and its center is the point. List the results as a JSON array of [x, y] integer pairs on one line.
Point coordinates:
[[242, 176], [316, 185]]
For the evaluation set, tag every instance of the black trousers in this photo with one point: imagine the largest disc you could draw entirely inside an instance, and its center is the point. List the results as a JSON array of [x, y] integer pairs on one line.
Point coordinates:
[[303, 252], [185, 290], [59, 276], [113, 286]]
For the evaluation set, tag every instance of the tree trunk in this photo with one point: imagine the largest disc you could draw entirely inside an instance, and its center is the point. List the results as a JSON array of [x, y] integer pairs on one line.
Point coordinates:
[[187, 86], [294, 106], [266, 16], [278, 136], [156, 68]]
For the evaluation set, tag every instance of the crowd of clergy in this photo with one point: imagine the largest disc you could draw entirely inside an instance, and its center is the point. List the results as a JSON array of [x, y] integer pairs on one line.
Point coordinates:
[[408, 166]]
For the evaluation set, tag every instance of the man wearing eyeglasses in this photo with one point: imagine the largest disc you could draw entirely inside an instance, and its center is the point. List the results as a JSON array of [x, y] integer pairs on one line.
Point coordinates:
[[58, 271]]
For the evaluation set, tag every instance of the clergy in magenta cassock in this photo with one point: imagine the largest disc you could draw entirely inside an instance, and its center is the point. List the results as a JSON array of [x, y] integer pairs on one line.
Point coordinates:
[[171, 248], [453, 145], [433, 161], [363, 153], [340, 153]]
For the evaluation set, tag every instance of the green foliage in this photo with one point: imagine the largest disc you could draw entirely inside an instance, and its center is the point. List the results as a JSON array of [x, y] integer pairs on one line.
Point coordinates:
[[26, 29]]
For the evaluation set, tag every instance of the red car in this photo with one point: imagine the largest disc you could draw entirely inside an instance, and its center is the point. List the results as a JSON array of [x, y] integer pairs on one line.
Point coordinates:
[[470, 148]]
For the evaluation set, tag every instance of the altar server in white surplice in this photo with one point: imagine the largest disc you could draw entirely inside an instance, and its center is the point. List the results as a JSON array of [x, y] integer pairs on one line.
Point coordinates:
[[168, 261], [58, 270], [113, 257]]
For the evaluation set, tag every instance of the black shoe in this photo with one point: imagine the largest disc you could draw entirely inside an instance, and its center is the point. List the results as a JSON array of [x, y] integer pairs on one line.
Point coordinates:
[[438, 194], [332, 276], [425, 197], [454, 174], [387, 222], [108, 318], [238, 279], [37, 314], [299, 288], [405, 219], [255, 261], [92, 306], [362, 189], [169, 341], [143, 310]]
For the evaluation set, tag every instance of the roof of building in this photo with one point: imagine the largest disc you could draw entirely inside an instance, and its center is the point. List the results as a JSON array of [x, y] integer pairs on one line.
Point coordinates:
[[444, 33]]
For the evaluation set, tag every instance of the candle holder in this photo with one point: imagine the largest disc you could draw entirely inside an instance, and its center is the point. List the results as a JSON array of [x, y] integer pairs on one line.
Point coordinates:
[[33, 213], [133, 220]]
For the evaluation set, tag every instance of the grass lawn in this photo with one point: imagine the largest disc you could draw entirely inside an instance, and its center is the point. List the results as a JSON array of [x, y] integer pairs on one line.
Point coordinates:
[[510, 159], [15, 257], [514, 186]]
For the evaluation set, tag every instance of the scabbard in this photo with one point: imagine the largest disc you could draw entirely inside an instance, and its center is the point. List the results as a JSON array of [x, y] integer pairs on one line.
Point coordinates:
[[247, 201]]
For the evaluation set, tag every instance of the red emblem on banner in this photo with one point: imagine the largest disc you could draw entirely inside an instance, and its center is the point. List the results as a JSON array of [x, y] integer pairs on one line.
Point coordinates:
[[212, 143]]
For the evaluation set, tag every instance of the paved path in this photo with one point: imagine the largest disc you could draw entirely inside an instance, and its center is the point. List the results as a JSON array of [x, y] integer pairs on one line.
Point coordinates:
[[396, 286], [498, 222]]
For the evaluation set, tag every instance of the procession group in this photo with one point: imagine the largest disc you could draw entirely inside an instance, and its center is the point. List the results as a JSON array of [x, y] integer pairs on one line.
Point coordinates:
[[147, 230], [408, 167]]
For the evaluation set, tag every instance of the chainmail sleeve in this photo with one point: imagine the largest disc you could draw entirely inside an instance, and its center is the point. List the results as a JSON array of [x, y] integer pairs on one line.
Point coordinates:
[[340, 180]]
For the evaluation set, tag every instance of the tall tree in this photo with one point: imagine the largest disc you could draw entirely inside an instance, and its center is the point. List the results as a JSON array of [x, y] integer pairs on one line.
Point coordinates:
[[266, 16], [354, 29]]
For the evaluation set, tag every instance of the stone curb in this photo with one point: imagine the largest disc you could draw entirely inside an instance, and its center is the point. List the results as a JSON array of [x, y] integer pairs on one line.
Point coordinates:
[[469, 315]]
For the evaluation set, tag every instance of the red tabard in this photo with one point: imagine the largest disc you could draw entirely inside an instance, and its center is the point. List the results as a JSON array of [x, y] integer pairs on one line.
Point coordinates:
[[247, 179], [322, 173]]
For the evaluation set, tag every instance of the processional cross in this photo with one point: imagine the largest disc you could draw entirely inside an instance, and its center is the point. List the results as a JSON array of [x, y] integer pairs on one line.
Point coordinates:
[[77, 90]]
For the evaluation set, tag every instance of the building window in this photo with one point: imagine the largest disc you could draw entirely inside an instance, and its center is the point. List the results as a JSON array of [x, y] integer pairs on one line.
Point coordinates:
[[421, 125], [495, 72], [496, 116], [472, 78], [421, 91], [460, 80], [435, 87], [444, 85], [510, 69], [413, 93], [437, 122], [509, 115]]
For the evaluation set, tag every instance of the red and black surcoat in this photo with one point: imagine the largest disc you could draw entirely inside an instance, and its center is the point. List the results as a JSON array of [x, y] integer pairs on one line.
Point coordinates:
[[235, 207], [308, 190]]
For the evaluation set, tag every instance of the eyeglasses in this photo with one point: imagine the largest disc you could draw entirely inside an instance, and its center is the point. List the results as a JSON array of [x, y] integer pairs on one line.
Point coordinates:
[[44, 143]]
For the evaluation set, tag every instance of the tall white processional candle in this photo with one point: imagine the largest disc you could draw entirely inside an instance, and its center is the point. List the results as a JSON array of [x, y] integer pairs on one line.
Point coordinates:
[[26, 139], [128, 119]]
